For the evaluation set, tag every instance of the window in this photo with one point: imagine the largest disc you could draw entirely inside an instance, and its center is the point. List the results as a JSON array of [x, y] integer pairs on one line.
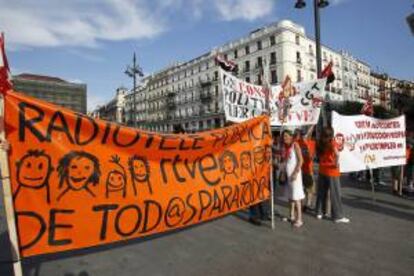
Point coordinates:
[[298, 59], [259, 45], [246, 66], [297, 40], [273, 76], [235, 53], [311, 50], [273, 58], [215, 75], [299, 77], [272, 40], [247, 49], [247, 79], [259, 62]]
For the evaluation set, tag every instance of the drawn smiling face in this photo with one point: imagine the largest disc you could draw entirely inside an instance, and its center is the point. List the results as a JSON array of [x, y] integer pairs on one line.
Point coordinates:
[[116, 180], [228, 165], [34, 170], [139, 170], [246, 161], [79, 171]]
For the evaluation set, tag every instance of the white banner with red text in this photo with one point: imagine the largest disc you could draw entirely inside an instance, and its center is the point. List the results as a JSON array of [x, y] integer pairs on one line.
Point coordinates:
[[368, 143], [291, 104]]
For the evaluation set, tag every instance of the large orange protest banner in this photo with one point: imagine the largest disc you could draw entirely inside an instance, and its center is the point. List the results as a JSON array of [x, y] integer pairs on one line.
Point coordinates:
[[79, 182]]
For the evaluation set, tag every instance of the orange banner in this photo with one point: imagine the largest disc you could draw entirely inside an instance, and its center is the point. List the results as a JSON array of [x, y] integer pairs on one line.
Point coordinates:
[[79, 182]]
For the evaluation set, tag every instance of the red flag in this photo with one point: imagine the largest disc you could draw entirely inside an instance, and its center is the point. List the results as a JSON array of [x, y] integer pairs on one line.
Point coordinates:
[[368, 107], [225, 64], [327, 73], [5, 83]]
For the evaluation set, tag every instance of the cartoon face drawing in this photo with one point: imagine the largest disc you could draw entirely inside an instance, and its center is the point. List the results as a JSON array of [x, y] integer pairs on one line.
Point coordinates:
[[259, 155], [246, 160], [116, 179], [228, 163], [340, 141], [140, 171], [77, 170], [33, 171]]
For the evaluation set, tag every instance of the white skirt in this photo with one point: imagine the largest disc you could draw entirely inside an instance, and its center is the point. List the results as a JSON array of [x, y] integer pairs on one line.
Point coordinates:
[[294, 189]]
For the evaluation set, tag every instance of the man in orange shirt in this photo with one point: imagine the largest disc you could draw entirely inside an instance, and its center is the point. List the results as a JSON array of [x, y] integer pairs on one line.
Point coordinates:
[[308, 147]]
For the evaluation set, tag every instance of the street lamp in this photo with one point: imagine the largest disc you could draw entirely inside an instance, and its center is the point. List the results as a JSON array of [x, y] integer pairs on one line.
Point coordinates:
[[317, 4], [132, 72]]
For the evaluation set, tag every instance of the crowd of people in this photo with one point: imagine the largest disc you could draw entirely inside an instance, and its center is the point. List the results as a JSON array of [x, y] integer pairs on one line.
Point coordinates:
[[294, 176]]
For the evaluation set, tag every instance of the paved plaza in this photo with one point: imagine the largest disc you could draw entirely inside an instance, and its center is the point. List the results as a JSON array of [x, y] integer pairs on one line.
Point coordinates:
[[379, 241]]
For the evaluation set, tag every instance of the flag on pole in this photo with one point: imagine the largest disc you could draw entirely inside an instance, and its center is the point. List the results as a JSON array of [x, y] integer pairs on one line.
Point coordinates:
[[328, 73], [368, 107], [5, 83], [225, 64]]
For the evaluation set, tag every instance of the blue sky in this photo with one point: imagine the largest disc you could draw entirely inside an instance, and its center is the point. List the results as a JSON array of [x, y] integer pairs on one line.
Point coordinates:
[[92, 41]]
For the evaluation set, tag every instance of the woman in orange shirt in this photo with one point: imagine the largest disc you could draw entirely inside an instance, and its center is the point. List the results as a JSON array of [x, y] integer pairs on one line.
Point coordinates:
[[329, 177]]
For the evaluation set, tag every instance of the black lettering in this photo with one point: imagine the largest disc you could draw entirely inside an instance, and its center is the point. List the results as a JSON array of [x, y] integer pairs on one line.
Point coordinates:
[[116, 136], [203, 205], [78, 127], [104, 225], [175, 209], [205, 168], [29, 123], [41, 232], [163, 170], [164, 139], [61, 128], [193, 209], [53, 225], [136, 224], [226, 191], [106, 133], [177, 160], [151, 214]]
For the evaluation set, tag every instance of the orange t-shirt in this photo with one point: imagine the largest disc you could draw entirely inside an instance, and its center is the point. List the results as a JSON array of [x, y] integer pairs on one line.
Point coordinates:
[[408, 153], [327, 164], [307, 147]]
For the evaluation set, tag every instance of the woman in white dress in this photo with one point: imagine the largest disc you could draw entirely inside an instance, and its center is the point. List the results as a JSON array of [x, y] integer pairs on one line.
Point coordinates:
[[292, 163]]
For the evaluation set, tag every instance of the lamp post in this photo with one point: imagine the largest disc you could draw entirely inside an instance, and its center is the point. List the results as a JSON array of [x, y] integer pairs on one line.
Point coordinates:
[[132, 72], [317, 4]]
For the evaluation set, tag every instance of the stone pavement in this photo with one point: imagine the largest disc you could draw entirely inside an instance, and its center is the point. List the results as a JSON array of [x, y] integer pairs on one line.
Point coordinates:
[[379, 241]]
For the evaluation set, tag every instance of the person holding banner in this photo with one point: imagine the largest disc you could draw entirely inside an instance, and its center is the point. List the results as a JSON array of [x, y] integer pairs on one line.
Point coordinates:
[[291, 167], [308, 147], [329, 177]]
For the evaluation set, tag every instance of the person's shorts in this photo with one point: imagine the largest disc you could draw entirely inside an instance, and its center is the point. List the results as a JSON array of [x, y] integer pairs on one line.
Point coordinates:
[[308, 183]]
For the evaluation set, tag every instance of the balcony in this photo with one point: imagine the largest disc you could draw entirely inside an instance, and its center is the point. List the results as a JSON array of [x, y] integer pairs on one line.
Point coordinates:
[[204, 84], [171, 94], [171, 104], [205, 97]]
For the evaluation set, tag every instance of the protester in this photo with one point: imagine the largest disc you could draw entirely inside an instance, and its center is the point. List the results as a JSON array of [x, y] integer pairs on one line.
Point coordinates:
[[329, 177], [409, 168], [396, 180], [291, 167], [308, 147], [178, 129]]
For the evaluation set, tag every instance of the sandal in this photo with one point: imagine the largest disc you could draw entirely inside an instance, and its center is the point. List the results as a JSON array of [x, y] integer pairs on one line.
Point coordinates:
[[298, 224]]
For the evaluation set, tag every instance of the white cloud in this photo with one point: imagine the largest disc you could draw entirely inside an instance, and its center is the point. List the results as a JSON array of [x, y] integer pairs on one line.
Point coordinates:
[[243, 9], [337, 2], [37, 23], [51, 23]]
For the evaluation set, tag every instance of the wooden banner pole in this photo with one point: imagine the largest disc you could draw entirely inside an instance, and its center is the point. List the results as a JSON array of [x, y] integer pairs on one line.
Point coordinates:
[[371, 180], [8, 198]]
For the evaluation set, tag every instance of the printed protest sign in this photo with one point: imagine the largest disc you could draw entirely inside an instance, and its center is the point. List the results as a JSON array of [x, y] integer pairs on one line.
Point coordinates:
[[297, 104], [365, 142], [290, 104], [79, 182]]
